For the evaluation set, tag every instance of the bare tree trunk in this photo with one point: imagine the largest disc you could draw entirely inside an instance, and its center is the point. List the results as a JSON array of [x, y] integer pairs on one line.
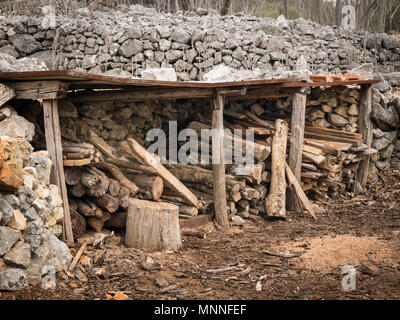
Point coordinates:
[[338, 12], [381, 16], [225, 7], [318, 11], [286, 9], [308, 9]]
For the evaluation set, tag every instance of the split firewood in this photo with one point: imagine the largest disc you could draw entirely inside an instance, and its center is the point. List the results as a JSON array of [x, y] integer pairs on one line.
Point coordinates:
[[98, 223], [72, 175], [107, 202], [152, 184], [117, 220], [78, 223], [166, 175], [97, 182], [114, 187], [77, 190], [194, 233], [117, 174], [261, 152]]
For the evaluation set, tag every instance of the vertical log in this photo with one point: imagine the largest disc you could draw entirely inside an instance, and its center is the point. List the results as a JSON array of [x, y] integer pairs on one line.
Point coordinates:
[[365, 127], [296, 145], [275, 204], [54, 147], [221, 213]]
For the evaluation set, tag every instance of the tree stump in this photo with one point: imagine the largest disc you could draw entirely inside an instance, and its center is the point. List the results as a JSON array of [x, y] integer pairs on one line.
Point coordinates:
[[152, 226]]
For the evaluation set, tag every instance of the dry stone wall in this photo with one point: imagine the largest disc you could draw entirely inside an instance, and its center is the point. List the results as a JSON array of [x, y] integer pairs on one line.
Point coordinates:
[[31, 210], [131, 40]]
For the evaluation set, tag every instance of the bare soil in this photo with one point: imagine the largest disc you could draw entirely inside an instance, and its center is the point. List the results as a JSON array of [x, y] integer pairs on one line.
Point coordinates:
[[294, 259]]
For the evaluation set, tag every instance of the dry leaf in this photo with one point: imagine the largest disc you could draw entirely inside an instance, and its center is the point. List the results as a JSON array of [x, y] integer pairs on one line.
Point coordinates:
[[120, 296], [73, 285]]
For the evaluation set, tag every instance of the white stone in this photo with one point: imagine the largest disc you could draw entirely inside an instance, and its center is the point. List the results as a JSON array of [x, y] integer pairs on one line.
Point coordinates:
[[219, 73], [160, 74], [17, 127]]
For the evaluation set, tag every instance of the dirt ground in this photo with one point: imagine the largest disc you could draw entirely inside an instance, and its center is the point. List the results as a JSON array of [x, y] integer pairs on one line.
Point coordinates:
[[294, 259]]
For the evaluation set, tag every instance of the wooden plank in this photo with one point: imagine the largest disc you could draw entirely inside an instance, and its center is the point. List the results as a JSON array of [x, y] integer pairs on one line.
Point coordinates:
[[39, 89], [54, 147], [338, 133], [219, 190], [77, 163], [296, 144], [299, 191], [312, 150], [365, 127], [316, 159], [195, 221], [329, 146], [170, 180], [329, 137], [140, 95]]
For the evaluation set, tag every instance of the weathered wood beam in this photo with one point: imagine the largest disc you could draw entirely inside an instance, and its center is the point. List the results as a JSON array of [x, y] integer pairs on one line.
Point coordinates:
[[39, 89], [221, 213], [141, 94], [365, 128], [296, 144], [54, 148]]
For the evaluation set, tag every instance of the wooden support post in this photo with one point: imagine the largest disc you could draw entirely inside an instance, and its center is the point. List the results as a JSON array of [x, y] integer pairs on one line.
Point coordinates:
[[296, 145], [221, 213], [275, 204], [54, 147], [365, 128]]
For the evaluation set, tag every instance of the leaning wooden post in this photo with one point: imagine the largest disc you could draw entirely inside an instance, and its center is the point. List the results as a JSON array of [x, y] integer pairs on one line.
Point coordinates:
[[365, 127], [221, 213], [275, 204], [296, 144], [54, 147]]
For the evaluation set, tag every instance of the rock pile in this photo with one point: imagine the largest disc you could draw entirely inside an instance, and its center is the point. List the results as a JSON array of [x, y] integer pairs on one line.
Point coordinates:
[[30, 209], [132, 39]]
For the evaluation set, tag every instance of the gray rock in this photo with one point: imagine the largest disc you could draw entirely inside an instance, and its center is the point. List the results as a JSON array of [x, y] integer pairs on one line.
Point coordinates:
[[130, 47], [25, 43], [19, 256], [51, 253], [30, 214], [181, 36], [6, 211], [13, 279], [12, 200], [8, 237]]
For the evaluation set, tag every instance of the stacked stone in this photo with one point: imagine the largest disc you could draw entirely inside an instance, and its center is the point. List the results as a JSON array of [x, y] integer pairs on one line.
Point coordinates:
[[129, 41], [385, 115], [334, 107], [30, 209], [112, 121]]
